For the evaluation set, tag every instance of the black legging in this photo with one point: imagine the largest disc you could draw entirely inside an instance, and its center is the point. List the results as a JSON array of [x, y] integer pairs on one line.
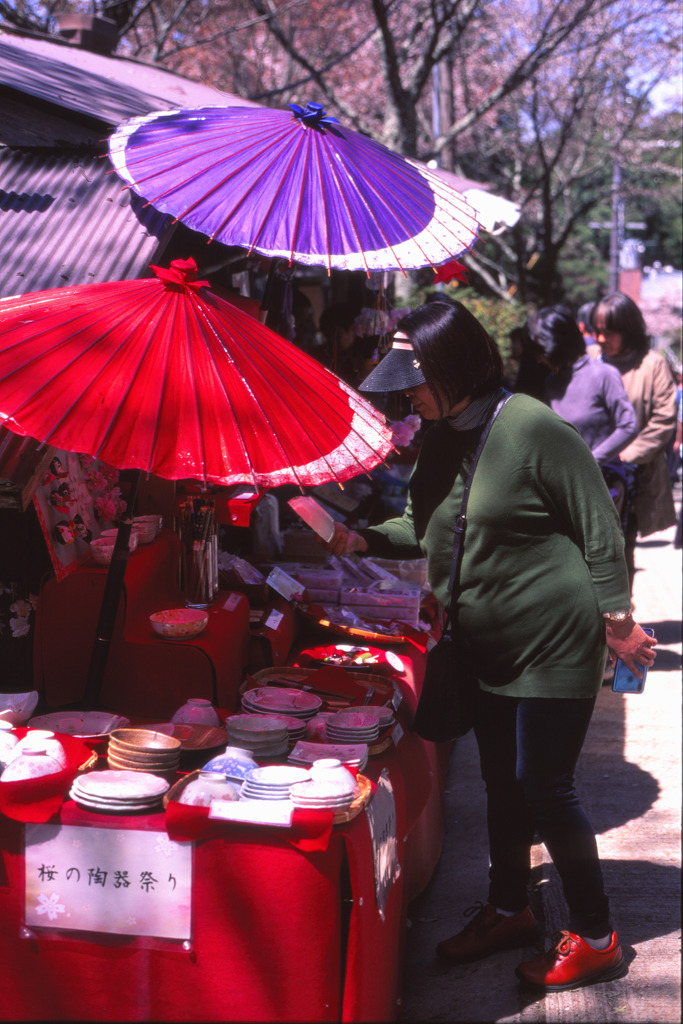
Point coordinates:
[[528, 749]]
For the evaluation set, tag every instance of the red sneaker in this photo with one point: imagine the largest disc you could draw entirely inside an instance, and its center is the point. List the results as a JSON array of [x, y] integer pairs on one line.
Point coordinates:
[[572, 963]]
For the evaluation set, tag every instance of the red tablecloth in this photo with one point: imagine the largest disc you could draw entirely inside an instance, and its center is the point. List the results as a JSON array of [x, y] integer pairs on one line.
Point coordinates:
[[146, 674], [279, 933], [424, 765]]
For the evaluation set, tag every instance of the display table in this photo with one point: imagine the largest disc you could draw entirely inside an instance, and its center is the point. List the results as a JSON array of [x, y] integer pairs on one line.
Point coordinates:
[[278, 933], [146, 674], [281, 930]]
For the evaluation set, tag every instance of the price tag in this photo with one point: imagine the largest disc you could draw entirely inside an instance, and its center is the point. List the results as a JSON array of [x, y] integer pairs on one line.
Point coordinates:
[[285, 585], [232, 602], [274, 619], [254, 812], [397, 734], [396, 699]]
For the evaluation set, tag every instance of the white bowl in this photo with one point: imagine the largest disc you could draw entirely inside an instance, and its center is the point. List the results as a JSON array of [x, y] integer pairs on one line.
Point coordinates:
[[208, 786], [111, 535], [154, 520], [8, 742], [17, 708], [331, 775], [147, 532], [179, 623], [102, 547], [45, 739], [32, 762], [196, 711]]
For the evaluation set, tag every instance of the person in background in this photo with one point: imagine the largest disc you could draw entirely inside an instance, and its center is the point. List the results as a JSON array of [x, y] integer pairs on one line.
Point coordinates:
[[583, 319], [585, 392], [673, 449], [346, 354], [623, 342], [531, 374], [543, 594], [290, 314], [678, 444]]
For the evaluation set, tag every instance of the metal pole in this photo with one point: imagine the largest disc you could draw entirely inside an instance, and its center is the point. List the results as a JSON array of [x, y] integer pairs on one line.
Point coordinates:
[[614, 238]]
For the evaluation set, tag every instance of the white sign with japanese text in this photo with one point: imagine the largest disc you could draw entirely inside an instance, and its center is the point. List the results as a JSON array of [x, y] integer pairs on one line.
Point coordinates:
[[119, 881]]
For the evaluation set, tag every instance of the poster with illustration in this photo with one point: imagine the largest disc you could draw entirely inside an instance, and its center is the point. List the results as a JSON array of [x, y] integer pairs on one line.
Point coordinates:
[[77, 498]]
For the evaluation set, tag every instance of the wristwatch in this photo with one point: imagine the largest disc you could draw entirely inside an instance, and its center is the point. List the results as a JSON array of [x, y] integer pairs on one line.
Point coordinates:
[[616, 616]]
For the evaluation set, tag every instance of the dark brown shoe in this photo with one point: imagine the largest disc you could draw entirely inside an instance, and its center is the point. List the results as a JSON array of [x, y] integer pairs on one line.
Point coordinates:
[[488, 932]]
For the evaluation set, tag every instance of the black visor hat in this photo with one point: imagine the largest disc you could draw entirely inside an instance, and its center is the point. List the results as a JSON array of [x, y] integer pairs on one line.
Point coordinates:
[[399, 370]]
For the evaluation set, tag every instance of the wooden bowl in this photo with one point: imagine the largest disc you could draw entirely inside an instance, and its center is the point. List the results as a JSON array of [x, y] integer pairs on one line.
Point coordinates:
[[137, 740], [144, 756]]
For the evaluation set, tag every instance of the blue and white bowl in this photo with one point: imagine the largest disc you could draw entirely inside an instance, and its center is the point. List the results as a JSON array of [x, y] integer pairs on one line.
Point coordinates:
[[235, 762]]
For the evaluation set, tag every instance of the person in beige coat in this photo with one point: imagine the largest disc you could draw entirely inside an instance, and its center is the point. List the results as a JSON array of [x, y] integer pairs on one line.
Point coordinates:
[[623, 342]]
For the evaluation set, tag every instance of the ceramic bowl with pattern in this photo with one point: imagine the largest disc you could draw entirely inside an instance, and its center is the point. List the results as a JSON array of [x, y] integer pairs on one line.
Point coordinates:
[[17, 708], [235, 762], [179, 623]]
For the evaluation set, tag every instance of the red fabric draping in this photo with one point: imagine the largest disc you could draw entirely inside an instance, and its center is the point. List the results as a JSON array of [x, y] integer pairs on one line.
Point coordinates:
[[310, 830], [268, 925], [146, 674], [266, 945]]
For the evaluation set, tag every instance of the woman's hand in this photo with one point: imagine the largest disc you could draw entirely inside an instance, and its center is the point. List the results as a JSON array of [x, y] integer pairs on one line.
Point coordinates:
[[346, 541], [626, 640]]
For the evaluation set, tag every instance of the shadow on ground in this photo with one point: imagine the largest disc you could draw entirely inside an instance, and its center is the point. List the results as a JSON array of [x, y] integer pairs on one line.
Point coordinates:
[[488, 990]]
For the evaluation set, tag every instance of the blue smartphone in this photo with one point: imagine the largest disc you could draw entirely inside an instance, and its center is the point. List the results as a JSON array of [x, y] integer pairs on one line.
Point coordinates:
[[624, 680]]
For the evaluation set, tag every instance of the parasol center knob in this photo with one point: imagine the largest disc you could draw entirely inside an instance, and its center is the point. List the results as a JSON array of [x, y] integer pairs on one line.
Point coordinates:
[[312, 116]]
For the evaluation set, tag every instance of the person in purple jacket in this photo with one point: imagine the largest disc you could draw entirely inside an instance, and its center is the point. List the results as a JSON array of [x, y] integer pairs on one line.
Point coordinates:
[[585, 392]]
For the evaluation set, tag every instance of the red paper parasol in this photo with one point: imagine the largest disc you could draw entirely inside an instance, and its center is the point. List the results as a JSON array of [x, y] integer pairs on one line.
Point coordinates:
[[164, 376]]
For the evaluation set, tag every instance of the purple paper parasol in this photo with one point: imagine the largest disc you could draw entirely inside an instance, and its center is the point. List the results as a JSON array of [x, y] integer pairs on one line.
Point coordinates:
[[293, 184]]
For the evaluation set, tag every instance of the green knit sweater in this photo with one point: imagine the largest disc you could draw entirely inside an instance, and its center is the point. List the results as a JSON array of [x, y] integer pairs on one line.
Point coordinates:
[[543, 549]]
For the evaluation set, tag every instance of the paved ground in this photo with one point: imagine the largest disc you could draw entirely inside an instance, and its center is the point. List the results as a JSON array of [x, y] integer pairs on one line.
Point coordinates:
[[629, 779]]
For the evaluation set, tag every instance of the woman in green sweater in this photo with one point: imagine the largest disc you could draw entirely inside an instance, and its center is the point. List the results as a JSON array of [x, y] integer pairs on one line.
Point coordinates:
[[543, 592]]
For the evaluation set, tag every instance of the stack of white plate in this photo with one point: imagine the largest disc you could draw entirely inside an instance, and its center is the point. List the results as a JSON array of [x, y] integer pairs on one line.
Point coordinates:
[[118, 792], [296, 727], [263, 735], [357, 725], [385, 716], [317, 796], [271, 782], [355, 755], [282, 701]]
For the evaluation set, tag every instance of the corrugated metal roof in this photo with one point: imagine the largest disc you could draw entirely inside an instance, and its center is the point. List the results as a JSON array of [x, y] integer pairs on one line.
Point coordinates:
[[21, 463], [65, 220], [64, 215], [109, 89]]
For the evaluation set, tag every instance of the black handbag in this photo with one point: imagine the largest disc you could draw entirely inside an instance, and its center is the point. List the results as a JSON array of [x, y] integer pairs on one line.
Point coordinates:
[[445, 709]]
